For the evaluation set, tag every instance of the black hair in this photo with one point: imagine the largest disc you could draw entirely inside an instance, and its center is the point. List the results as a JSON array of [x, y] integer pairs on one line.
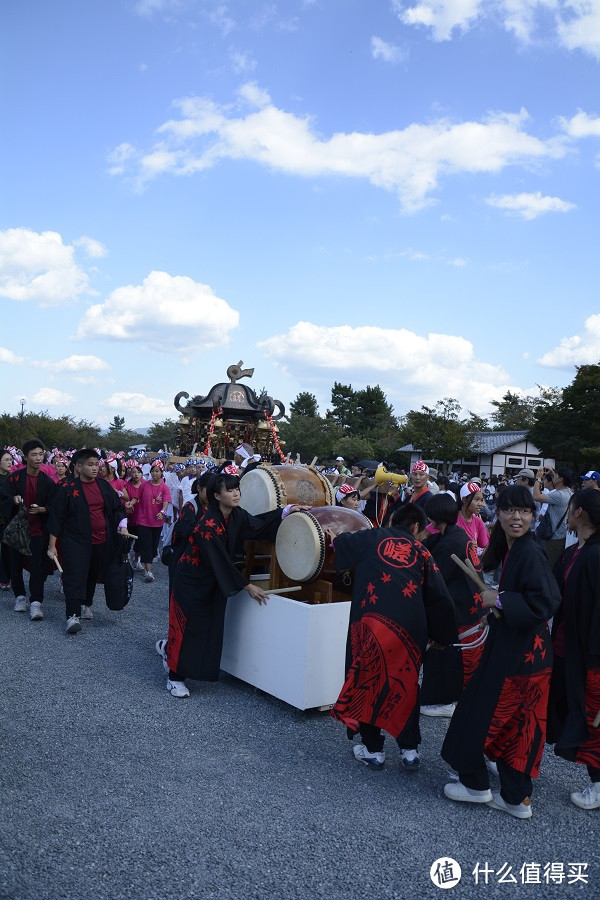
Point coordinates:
[[442, 508], [567, 475], [516, 495], [6, 450], [468, 499], [221, 479], [32, 444], [409, 514], [86, 453], [444, 482], [588, 499], [201, 482]]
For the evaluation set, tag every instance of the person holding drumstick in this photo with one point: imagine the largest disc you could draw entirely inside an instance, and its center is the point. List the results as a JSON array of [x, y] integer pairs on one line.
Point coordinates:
[[502, 712]]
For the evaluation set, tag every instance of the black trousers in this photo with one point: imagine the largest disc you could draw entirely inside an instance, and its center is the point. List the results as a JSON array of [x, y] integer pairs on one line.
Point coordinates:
[[4, 559], [147, 542], [95, 569], [37, 570], [514, 786], [409, 739]]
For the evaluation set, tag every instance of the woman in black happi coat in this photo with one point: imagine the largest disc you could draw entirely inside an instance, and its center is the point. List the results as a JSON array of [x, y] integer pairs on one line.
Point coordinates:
[[503, 710], [205, 577], [575, 685]]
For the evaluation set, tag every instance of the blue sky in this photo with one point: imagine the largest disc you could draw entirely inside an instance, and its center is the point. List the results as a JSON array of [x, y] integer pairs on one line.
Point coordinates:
[[392, 193]]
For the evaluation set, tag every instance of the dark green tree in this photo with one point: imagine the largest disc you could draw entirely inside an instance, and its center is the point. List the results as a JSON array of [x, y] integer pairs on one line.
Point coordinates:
[[342, 402], [63, 431], [305, 404], [161, 433], [438, 432], [567, 425], [370, 411], [117, 424]]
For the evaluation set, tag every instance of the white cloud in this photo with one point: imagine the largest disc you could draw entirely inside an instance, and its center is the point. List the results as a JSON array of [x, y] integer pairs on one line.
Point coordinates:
[[578, 350], [530, 206], [40, 267], [76, 363], [415, 369], [442, 16], [576, 22], [579, 26], [10, 358], [91, 247], [389, 53], [242, 62], [410, 161], [138, 404], [51, 397], [581, 125], [169, 313], [67, 366], [254, 95], [120, 157]]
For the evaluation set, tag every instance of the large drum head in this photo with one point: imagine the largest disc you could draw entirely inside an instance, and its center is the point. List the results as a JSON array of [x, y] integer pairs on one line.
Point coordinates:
[[261, 491], [300, 547]]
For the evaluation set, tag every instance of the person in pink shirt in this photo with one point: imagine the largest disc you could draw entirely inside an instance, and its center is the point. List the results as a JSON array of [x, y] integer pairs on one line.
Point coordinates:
[[154, 499], [132, 494], [469, 519]]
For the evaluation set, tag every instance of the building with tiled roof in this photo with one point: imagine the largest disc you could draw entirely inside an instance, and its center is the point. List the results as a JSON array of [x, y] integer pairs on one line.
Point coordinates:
[[494, 453]]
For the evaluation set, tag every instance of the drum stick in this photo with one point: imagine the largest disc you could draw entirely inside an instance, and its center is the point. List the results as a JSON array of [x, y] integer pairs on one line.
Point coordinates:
[[314, 459], [287, 590], [596, 721], [56, 563], [470, 571]]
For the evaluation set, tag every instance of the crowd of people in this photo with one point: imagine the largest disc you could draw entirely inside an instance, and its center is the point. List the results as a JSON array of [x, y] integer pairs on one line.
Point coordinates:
[[473, 599]]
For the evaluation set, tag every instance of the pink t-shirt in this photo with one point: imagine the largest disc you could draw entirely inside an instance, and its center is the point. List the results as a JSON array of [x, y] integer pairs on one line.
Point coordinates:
[[134, 493], [475, 529], [153, 498], [118, 484]]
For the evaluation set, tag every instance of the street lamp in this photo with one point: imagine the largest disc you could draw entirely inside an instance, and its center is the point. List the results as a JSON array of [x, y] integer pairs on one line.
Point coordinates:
[[22, 401]]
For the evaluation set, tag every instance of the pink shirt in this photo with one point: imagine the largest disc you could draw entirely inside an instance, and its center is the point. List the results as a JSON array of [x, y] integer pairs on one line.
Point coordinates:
[[134, 493], [153, 498], [475, 529]]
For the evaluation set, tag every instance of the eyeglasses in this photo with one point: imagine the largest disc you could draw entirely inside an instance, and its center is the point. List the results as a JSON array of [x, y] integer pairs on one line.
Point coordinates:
[[515, 509]]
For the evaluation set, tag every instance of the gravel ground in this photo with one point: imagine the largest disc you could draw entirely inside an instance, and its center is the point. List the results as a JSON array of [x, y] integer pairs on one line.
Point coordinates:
[[113, 789]]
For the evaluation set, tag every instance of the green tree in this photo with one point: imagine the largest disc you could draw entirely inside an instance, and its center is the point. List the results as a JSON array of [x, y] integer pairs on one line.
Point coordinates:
[[310, 436], [438, 432], [342, 401], [161, 433], [63, 431], [567, 425], [117, 424], [121, 440], [305, 404], [370, 411]]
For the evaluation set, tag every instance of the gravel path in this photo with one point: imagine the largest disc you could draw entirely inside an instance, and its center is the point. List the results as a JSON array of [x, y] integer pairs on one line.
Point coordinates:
[[113, 789]]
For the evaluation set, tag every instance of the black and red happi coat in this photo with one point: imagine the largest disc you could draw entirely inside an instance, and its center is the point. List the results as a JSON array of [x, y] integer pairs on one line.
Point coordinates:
[[446, 672], [204, 578], [399, 601], [576, 738], [502, 711], [70, 522]]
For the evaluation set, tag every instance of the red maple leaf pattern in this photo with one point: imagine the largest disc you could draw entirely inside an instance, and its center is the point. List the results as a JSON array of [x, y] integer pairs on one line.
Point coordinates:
[[410, 590], [370, 588], [538, 643], [529, 658]]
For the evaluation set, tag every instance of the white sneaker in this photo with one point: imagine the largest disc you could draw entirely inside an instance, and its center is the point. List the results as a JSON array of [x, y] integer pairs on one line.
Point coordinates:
[[373, 760], [439, 709], [36, 612], [73, 625], [518, 810], [149, 577], [139, 566], [491, 766], [410, 760], [588, 798], [86, 612], [457, 791], [177, 688], [21, 604], [161, 649]]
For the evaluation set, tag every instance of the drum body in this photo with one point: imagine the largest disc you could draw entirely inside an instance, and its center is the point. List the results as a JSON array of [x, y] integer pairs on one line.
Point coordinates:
[[272, 487], [301, 548]]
